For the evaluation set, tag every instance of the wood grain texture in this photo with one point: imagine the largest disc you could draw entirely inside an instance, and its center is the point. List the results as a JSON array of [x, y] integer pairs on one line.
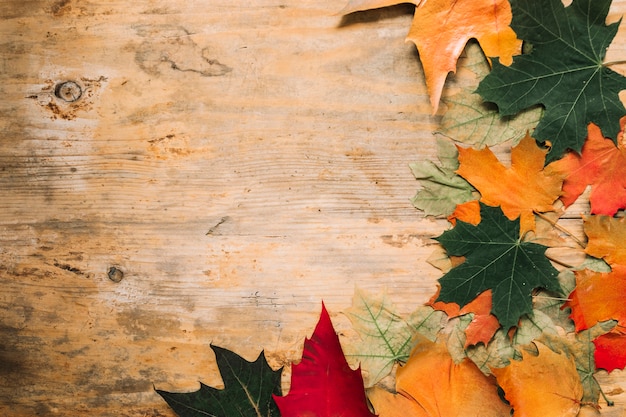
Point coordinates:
[[229, 164]]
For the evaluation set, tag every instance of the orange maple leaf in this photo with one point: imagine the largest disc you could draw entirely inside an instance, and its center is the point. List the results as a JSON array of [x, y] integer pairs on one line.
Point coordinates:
[[484, 324], [598, 296], [543, 385], [441, 29], [430, 384], [600, 164], [521, 190], [606, 237]]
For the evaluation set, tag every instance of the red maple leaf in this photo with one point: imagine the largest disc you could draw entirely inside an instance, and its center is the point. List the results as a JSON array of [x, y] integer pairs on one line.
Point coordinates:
[[323, 384], [610, 351], [600, 164]]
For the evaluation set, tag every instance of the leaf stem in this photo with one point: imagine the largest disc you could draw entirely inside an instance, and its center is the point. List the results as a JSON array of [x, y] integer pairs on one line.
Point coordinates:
[[609, 403], [562, 229], [608, 64]]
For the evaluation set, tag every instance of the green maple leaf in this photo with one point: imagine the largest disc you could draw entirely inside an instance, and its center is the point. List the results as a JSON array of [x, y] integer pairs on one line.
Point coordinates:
[[442, 188], [497, 259], [564, 72], [386, 337], [248, 389], [472, 121]]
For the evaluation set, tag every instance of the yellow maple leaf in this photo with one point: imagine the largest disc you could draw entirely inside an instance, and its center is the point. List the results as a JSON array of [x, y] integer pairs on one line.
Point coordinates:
[[441, 29], [430, 384], [543, 385], [606, 236], [521, 189]]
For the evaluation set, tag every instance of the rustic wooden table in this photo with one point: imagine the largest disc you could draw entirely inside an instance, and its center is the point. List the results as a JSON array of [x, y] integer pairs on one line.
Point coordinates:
[[174, 174]]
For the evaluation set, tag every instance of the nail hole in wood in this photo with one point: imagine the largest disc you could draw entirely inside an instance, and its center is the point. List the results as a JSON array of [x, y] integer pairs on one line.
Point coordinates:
[[68, 91], [115, 274]]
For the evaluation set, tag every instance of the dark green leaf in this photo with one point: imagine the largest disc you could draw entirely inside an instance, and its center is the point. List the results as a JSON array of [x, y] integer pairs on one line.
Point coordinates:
[[496, 259], [564, 72], [248, 389]]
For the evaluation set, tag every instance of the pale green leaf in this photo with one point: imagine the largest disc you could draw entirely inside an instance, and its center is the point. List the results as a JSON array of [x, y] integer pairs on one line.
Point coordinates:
[[442, 189], [471, 120], [385, 337]]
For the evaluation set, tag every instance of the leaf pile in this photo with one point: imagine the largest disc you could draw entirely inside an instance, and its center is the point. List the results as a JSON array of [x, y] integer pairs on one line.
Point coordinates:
[[513, 329]]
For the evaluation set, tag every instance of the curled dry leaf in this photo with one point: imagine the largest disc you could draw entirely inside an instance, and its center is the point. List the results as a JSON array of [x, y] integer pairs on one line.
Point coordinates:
[[441, 28]]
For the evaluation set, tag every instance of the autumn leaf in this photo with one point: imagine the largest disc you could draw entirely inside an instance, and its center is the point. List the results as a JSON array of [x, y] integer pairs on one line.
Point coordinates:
[[442, 188], [600, 164], [580, 347], [432, 385], [472, 121], [322, 384], [441, 28], [386, 337], [564, 72], [248, 390], [520, 190], [499, 260], [542, 385], [483, 325], [598, 297], [606, 237], [610, 352]]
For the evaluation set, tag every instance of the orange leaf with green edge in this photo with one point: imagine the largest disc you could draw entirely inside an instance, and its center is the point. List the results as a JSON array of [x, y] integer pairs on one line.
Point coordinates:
[[441, 28], [610, 353], [606, 239], [543, 385], [430, 384], [600, 164], [483, 325], [521, 189], [322, 383]]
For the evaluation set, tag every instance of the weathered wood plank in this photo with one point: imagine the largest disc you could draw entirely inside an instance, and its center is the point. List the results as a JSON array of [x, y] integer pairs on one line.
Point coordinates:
[[237, 163]]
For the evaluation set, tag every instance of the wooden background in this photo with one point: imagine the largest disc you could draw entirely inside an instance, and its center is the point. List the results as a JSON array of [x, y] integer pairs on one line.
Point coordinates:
[[230, 163]]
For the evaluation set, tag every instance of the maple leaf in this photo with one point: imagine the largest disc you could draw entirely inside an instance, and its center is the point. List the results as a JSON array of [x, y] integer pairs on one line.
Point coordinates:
[[386, 337], [470, 120], [323, 384], [598, 296], [430, 384], [610, 352], [580, 347], [606, 237], [483, 325], [600, 164], [441, 28], [248, 390], [499, 260], [564, 72], [520, 190], [542, 385], [442, 188]]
